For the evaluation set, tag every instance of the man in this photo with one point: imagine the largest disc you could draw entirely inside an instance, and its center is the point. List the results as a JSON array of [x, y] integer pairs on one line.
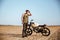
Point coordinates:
[[25, 22]]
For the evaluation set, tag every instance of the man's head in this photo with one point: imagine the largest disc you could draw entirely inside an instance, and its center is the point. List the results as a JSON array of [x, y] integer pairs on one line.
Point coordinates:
[[27, 11]]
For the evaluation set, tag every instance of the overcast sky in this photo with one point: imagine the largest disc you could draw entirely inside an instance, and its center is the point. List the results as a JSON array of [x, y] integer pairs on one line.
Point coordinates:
[[43, 11]]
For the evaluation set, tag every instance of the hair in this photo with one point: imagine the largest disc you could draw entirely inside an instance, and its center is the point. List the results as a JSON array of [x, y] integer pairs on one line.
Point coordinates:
[[27, 10]]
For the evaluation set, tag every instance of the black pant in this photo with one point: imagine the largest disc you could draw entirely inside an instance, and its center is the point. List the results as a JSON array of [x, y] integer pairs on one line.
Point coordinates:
[[24, 28]]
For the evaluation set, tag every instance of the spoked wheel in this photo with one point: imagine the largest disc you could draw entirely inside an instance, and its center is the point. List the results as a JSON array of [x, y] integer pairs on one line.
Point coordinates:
[[46, 32], [28, 31]]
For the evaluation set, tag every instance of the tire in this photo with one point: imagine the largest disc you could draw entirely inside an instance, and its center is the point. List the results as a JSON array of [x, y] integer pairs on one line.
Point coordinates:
[[28, 31], [45, 33]]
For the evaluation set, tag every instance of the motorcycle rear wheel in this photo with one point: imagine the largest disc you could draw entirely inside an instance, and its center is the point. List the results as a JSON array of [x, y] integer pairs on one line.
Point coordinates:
[[45, 32]]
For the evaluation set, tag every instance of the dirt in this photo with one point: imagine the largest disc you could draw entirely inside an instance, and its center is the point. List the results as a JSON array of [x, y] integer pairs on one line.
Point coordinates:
[[15, 33]]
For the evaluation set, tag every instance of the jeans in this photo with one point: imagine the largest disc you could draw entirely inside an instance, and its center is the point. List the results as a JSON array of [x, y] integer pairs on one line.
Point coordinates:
[[24, 28]]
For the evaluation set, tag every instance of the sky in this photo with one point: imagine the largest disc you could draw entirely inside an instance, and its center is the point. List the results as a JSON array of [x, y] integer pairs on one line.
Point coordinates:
[[43, 11]]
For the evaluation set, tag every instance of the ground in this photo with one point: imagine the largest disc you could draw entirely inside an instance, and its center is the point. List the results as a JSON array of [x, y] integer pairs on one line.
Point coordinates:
[[14, 33]]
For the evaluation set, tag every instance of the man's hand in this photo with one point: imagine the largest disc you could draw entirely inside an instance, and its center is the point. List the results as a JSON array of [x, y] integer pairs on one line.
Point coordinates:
[[29, 14]]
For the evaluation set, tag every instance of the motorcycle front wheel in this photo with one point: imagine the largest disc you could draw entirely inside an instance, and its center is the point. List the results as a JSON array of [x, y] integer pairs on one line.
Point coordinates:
[[45, 32], [28, 31]]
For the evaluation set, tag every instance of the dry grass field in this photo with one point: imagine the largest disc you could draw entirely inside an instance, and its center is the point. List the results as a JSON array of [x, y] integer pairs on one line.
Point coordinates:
[[14, 33]]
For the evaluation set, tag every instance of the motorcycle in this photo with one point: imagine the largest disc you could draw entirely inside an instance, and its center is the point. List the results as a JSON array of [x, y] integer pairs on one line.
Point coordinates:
[[38, 29]]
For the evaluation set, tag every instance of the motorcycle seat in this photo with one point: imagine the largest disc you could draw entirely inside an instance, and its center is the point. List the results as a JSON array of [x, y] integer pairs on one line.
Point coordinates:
[[41, 25]]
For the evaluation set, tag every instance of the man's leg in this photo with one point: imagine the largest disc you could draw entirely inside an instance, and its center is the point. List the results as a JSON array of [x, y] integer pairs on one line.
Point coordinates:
[[24, 28]]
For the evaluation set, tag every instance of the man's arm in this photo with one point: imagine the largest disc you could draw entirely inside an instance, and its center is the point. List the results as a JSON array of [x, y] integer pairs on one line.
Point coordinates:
[[22, 18], [29, 14]]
